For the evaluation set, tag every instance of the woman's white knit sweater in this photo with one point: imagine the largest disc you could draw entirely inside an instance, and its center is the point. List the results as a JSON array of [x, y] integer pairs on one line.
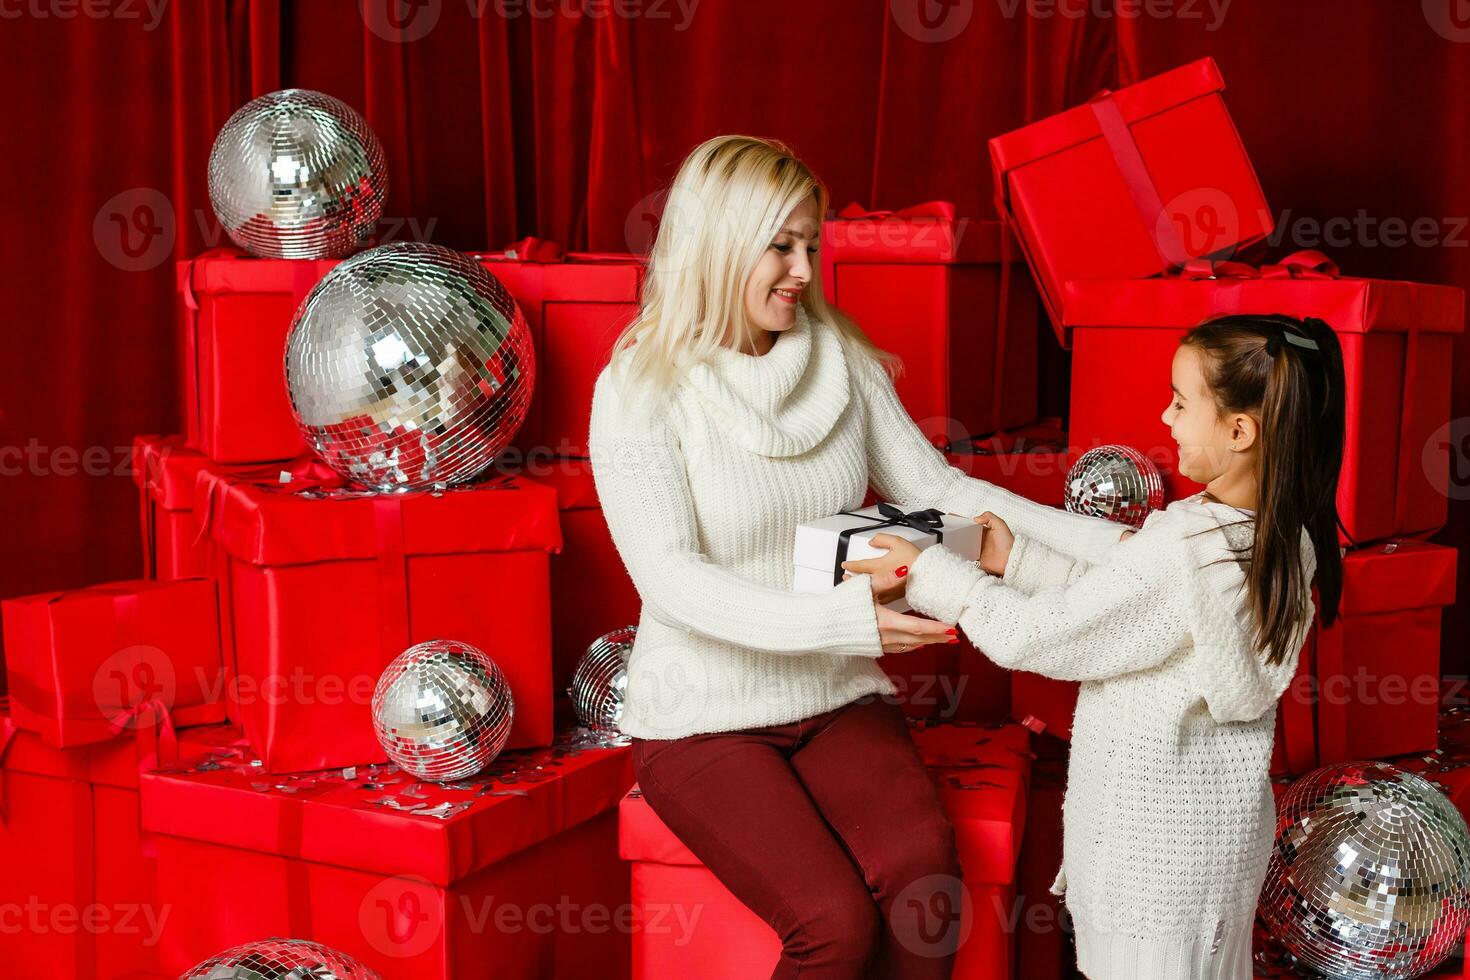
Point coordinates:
[[702, 501], [1169, 818]]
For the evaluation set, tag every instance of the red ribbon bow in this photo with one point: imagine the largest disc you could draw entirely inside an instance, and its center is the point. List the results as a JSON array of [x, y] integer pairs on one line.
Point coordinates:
[[938, 210], [1307, 263]]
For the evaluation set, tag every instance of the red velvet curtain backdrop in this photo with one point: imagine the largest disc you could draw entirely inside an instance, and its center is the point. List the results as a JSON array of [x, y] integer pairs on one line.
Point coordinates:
[[563, 118]]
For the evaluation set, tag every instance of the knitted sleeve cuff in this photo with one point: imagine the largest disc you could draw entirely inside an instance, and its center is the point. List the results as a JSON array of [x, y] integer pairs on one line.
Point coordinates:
[[940, 581], [1032, 565]]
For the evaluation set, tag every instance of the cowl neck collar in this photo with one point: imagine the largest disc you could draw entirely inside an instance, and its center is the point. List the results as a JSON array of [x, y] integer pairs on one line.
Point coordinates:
[[783, 402]]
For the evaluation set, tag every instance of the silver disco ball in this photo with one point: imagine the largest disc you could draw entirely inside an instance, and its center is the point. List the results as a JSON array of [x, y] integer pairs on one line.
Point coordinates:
[[1116, 482], [409, 366], [281, 959], [1370, 874], [600, 681], [442, 710], [296, 174]]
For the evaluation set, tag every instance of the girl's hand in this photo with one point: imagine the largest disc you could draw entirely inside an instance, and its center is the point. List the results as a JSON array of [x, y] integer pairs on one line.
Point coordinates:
[[995, 544], [888, 571], [901, 632]]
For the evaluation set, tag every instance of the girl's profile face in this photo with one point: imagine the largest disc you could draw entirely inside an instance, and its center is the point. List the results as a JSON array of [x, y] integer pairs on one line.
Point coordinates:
[[1211, 444], [775, 285]]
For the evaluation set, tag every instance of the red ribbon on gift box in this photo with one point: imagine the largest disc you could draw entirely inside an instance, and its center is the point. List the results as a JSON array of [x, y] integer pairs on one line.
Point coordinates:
[[938, 210], [1308, 263], [533, 249]]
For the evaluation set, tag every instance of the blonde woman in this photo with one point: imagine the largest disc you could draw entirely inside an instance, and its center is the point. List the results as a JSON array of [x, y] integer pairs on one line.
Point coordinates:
[[735, 406]]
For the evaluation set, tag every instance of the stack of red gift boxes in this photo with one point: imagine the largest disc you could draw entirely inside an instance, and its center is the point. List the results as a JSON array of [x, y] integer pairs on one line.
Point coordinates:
[[194, 751]]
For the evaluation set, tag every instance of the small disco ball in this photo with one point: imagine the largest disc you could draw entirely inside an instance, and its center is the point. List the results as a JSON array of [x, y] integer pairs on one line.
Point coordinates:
[[1370, 873], [297, 174], [1115, 482], [409, 367], [600, 681], [281, 959], [442, 710]]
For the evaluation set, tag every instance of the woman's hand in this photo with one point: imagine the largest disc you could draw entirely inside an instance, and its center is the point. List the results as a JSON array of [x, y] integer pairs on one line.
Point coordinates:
[[889, 569], [995, 543], [901, 632]]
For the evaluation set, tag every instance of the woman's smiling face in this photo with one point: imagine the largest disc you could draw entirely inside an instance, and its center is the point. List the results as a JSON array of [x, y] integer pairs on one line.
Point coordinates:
[[774, 287]]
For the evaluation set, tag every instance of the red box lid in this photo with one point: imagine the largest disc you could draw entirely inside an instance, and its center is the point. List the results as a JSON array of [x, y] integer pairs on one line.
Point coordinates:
[[1078, 125], [1064, 181], [587, 278], [284, 524], [1397, 575], [525, 797], [1349, 305]]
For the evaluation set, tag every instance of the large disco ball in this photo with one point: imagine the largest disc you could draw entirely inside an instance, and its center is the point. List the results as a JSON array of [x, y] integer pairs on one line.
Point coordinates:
[[442, 710], [600, 681], [296, 174], [409, 366], [281, 959], [1370, 873], [1116, 482]]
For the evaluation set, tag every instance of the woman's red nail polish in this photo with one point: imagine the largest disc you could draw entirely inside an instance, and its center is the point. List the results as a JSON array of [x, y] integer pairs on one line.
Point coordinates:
[[953, 640], [901, 571], [952, 631]]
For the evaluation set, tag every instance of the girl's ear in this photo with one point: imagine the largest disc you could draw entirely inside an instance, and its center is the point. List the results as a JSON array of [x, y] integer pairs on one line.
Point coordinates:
[[1244, 431]]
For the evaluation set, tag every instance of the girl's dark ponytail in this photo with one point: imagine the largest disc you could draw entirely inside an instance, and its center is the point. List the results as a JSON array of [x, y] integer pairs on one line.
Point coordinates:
[[1289, 374]]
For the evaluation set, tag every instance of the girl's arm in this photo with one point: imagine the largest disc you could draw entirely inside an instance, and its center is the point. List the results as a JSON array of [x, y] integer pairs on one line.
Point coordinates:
[[907, 470], [1123, 615], [638, 469], [1032, 565]]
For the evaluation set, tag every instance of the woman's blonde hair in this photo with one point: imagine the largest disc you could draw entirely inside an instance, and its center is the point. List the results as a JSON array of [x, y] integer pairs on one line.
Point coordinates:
[[725, 206]]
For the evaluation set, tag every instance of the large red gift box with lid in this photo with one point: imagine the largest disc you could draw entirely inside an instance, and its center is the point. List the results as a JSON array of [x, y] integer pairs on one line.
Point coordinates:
[[81, 664], [940, 292], [982, 774], [238, 310], [1377, 668], [323, 585], [1397, 340], [512, 873], [1133, 183]]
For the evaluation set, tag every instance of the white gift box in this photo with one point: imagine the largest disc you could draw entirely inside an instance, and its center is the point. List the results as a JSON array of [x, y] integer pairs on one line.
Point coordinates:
[[824, 544]]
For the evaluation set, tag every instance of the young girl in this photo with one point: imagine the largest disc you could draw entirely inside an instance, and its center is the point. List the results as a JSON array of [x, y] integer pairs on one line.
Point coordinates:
[[1184, 635]]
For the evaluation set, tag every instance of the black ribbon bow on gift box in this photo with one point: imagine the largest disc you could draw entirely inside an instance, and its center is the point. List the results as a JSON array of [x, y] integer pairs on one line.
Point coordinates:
[[929, 521]]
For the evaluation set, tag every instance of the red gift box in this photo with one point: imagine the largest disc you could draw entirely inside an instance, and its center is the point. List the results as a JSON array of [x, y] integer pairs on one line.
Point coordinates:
[[414, 879], [981, 773], [82, 665], [1378, 666], [1133, 183], [73, 853], [323, 585], [941, 293], [1397, 339], [238, 311]]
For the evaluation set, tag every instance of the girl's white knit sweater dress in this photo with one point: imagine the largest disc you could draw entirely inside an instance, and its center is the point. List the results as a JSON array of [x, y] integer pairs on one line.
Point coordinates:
[[702, 501], [1168, 819]]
